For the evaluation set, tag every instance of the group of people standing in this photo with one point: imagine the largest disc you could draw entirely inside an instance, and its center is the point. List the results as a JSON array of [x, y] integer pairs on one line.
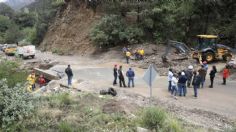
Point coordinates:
[[118, 73], [32, 80], [179, 82], [138, 54]]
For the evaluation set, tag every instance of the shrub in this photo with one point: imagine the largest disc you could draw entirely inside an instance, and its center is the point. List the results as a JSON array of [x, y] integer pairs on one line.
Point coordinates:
[[112, 31], [11, 72], [65, 127], [154, 118], [60, 100], [15, 105]]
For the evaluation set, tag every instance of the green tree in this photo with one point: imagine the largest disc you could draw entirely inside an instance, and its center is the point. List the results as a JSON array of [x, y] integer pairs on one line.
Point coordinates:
[[13, 34], [6, 10]]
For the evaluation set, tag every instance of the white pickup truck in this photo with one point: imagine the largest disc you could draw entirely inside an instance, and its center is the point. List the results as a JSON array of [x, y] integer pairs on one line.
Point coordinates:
[[26, 51]]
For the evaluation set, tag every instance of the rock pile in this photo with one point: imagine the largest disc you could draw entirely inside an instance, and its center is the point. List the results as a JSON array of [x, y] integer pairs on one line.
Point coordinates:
[[153, 55]]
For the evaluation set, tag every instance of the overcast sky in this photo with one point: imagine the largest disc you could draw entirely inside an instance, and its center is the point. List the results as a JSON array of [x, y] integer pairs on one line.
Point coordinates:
[[2, 0]]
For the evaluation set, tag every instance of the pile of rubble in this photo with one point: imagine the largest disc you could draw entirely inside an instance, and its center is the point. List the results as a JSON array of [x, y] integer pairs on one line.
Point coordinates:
[[153, 55]]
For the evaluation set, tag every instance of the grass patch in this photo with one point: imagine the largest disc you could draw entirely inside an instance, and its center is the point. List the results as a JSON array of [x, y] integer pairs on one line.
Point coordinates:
[[84, 113], [11, 72], [65, 127], [156, 119]]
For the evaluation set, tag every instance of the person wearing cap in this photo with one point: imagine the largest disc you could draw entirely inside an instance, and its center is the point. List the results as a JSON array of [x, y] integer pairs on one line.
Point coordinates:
[[115, 73], [202, 72], [196, 82], [128, 55], [170, 75], [121, 77], [182, 84], [130, 74], [189, 75], [212, 75]]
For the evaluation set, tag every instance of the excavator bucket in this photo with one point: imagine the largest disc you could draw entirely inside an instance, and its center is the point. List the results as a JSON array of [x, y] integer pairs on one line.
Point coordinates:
[[182, 48]]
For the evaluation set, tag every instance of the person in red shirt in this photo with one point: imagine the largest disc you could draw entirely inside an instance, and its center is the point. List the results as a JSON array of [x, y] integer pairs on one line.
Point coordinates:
[[42, 81], [225, 74]]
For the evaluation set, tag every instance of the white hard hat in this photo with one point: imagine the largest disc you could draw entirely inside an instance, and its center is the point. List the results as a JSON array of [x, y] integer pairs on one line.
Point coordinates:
[[190, 67], [182, 73]]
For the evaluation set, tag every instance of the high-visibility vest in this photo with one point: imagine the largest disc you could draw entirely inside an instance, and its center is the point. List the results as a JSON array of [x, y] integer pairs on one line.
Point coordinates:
[[128, 54], [141, 52], [31, 79]]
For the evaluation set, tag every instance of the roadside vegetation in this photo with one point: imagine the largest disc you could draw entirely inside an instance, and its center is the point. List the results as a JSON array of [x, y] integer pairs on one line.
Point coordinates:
[[157, 21], [29, 24]]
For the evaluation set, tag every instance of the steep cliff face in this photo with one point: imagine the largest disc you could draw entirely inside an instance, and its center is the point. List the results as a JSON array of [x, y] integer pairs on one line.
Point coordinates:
[[69, 33], [18, 4]]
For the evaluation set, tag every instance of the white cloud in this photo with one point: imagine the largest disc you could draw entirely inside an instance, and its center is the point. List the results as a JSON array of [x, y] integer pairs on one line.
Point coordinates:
[[2, 0]]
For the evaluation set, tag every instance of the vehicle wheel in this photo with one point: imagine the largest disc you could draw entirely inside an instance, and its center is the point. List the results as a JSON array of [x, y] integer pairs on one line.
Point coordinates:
[[227, 57], [209, 56], [32, 56]]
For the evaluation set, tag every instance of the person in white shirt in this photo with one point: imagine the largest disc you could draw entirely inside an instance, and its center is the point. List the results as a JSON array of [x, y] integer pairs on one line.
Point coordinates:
[[174, 88], [170, 75]]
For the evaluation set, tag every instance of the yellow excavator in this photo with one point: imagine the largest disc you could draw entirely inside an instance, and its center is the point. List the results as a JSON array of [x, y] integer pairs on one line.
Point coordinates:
[[206, 49]]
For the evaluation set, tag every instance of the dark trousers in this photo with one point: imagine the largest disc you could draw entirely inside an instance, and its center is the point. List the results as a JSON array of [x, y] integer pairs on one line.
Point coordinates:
[[224, 81], [33, 87], [122, 81], [115, 80], [69, 80], [202, 81], [195, 87], [127, 59], [169, 86], [212, 81], [189, 82], [182, 89]]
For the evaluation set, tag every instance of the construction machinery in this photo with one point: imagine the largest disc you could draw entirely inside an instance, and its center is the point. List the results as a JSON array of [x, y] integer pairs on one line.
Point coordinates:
[[208, 50], [180, 47]]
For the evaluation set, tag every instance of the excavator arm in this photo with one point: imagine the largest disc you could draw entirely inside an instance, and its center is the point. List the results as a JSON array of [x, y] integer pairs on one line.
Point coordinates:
[[182, 48]]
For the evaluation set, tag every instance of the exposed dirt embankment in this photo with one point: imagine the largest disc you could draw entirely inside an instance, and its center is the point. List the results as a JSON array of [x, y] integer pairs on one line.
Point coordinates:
[[69, 32]]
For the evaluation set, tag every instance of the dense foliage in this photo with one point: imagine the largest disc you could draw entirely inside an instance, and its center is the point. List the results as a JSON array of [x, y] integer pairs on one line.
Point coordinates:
[[10, 71], [181, 20], [29, 24], [15, 103], [112, 30]]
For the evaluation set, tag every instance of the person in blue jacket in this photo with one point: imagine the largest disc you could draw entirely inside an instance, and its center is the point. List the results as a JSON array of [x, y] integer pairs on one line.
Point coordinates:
[[182, 84], [130, 74]]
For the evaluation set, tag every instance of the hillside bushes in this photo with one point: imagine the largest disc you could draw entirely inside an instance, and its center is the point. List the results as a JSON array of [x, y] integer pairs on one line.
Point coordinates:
[[15, 105], [112, 31], [10, 71], [178, 20]]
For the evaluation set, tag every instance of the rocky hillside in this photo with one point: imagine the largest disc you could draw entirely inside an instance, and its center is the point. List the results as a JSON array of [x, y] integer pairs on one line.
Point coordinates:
[[70, 29], [18, 4]]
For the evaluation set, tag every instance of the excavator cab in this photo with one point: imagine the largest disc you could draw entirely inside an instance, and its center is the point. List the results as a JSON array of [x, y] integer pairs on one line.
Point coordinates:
[[205, 41], [208, 50]]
